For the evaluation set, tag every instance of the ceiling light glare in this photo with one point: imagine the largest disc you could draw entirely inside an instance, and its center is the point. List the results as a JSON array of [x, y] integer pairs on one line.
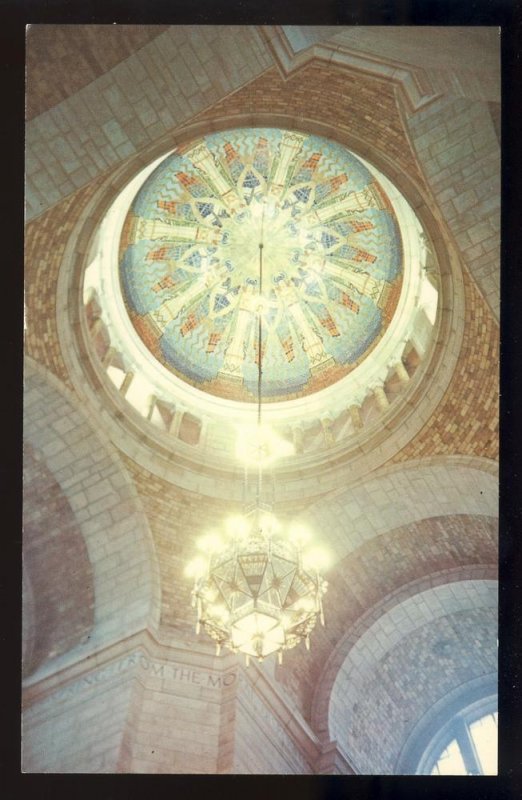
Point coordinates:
[[211, 543], [196, 568], [299, 534], [316, 558], [261, 446], [237, 527]]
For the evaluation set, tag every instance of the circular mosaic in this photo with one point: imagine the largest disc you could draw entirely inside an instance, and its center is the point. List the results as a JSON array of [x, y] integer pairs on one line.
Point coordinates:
[[303, 209]]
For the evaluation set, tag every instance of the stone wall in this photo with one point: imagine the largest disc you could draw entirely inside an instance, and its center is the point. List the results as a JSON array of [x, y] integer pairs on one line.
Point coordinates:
[[158, 87], [78, 728], [457, 146], [174, 725], [105, 506], [156, 709], [79, 54], [264, 746], [412, 657]]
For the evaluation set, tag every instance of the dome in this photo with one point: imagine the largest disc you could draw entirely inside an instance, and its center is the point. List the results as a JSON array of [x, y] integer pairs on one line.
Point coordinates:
[[332, 262], [171, 292]]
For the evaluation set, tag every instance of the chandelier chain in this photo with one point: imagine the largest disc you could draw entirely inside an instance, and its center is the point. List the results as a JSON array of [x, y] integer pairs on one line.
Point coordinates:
[[260, 351]]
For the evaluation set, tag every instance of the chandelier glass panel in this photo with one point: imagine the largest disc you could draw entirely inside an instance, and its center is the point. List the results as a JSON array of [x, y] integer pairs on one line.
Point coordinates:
[[258, 586]]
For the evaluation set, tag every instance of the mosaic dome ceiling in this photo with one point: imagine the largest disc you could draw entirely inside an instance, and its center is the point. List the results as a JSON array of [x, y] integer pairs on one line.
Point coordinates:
[[189, 263]]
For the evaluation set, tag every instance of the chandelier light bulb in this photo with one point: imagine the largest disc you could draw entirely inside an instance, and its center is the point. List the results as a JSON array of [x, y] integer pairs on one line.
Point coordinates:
[[237, 527], [210, 594], [305, 604], [196, 568], [299, 534], [211, 543], [316, 558], [261, 446], [219, 612]]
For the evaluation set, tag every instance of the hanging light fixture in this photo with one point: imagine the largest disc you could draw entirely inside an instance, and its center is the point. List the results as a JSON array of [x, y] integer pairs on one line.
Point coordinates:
[[258, 586]]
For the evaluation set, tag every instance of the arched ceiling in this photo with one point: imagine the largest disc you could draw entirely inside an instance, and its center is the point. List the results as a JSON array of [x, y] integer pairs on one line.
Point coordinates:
[[405, 495], [376, 576], [205, 452], [99, 507], [408, 660]]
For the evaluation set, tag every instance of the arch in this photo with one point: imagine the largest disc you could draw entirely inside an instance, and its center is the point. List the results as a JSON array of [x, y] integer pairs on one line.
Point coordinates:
[[58, 580], [412, 626], [330, 667], [107, 510], [399, 506], [401, 497], [402, 494], [422, 735]]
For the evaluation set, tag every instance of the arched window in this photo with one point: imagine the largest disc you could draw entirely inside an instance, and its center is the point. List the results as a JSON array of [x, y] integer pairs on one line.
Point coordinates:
[[467, 744], [457, 736]]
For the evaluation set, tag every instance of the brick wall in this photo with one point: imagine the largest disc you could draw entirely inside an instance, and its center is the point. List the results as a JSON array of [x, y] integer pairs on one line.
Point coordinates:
[[408, 660], [45, 242], [458, 61], [399, 495], [59, 609], [177, 518], [467, 419], [322, 93]]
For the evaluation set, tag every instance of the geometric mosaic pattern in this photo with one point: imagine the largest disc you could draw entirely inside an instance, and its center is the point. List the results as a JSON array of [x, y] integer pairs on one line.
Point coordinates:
[[331, 254]]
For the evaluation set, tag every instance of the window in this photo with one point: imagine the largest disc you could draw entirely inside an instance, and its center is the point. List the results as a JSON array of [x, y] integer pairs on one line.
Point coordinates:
[[467, 744], [450, 761]]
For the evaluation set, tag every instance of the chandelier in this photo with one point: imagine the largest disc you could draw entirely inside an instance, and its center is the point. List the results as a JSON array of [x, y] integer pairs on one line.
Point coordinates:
[[258, 586]]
